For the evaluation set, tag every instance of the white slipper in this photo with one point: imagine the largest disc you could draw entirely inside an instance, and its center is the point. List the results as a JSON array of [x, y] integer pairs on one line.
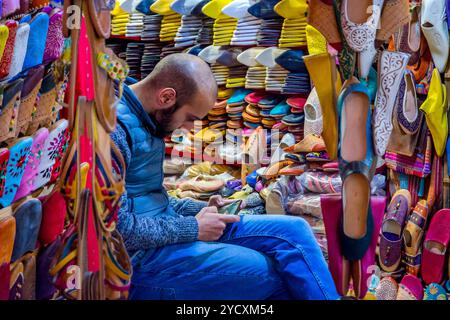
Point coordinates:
[[279, 153], [313, 114], [248, 57], [391, 68], [237, 9], [435, 29], [268, 56], [210, 53]]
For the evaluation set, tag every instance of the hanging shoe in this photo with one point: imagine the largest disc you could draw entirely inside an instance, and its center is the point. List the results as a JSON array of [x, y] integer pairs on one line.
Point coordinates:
[[390, 71], [435, 30]]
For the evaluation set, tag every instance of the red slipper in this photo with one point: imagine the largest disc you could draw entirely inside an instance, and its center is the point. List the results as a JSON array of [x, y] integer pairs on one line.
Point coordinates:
[[435, 247]]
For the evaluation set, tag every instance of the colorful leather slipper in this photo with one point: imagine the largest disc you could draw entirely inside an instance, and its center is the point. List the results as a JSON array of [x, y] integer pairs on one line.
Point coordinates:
[[28, 217], [4, 158], [407, 110], [8, 111], [311, 143], [435, 247], [387, 289], [30, 90], [31, 169], [279, 154], [36, 41], [55, 39], [391, 67], [392, 229], [10, 7], [5, 62], [356, 168], [321, 156], [361, 270], [318, 66], [435, 109], [7, 235], [16, 166], [413, 237], [435, 291], [410, 288], [395, 15], [49, 154], [20, 49], [435, 30]]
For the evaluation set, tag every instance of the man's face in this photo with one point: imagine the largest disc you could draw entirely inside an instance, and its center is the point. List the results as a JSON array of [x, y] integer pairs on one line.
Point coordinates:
[[183, 116]]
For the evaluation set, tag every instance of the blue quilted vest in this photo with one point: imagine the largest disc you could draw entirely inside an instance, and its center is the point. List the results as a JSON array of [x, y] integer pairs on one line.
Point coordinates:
[[144, 176]]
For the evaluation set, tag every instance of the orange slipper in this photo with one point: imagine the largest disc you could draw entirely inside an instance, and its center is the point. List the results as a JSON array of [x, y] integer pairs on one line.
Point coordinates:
[[311, 143]]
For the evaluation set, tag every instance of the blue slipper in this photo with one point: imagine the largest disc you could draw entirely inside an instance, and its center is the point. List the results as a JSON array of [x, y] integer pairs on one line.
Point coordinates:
[[36, 42], [292, 60], [264, 9], [281, 109], [16, 166], [28, 221]]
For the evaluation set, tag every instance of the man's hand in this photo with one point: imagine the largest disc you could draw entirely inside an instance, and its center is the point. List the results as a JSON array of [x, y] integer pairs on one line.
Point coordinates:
[[211, 224], [217, 201]]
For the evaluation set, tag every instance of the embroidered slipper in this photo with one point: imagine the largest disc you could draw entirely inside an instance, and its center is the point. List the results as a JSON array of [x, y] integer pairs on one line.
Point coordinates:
[[16, 165], [395, 14], [7, 235], [20, 49], [321, 16], [4, 158], [410, 288], [36, 40], [49, 153], [409, 37], [44, 106], [28, 217], [413, 237], [6, 57], [31, 169], [30, 90], [273, 170], [387, 289], [435, 291], [321, 156], [390, 70], [55, 40], [435, 246], [10, 7], [390, 248], [9, 109]]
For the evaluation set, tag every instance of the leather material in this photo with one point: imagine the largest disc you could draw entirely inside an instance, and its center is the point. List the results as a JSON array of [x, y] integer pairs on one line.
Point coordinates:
[[31, 170], [44, 284], [101, 17], [20, 49], [4, 158], [29, 276], [9, 110], [6, 58], [28, 219], [9, 7], [36, 41], [55, 39]]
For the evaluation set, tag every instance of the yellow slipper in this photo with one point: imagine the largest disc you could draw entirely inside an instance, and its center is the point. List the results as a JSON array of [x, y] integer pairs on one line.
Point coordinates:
[[435, 109], [162, 7], [291, 9], [315, 40], [213, 9], [4, 33], [322, 70]]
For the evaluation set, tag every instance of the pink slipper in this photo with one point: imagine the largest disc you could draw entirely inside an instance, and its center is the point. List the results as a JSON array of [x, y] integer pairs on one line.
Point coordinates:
[[434, 247], [410, 288], [339, 266], [362, 269]]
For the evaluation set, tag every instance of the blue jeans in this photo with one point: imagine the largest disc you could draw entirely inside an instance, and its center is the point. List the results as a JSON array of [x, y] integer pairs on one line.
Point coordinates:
[[259, 257]]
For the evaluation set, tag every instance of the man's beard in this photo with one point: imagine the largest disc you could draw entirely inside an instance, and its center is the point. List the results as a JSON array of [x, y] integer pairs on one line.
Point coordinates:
[[163, 121]]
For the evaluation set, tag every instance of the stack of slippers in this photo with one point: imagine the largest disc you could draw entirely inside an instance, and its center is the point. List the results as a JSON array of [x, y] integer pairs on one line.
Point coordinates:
[[217, 116], [271, 24], [293, 33], [171, 20], [266, 105], [297, 80], [150, 57], [134, 54], [251, 113], [152, 27], [187, 34], [256, 72], [224, 25], [235, 107], [247, 25], [136, 24]]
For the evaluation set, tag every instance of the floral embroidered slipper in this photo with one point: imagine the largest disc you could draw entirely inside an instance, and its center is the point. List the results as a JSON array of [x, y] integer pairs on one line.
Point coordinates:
[[9, 109], [410, 288], [387, 289], [6, 58], [18, 159], [4, 158]]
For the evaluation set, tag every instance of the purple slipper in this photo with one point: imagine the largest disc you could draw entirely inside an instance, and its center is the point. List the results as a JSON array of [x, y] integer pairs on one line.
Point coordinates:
[[410, 288]]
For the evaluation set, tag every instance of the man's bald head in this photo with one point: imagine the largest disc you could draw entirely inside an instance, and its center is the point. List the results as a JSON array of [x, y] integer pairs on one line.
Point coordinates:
[[180, 90], [186, 73]]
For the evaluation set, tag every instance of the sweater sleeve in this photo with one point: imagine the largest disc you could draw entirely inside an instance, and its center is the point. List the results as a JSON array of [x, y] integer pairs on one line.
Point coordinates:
[[187, 206], [141, 232]]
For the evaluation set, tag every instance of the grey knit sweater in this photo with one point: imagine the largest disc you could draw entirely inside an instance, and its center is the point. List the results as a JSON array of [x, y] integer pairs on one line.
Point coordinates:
[[143, 233]]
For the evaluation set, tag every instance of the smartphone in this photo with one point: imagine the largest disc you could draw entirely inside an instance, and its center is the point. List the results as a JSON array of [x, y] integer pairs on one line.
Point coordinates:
[[231, 208]]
